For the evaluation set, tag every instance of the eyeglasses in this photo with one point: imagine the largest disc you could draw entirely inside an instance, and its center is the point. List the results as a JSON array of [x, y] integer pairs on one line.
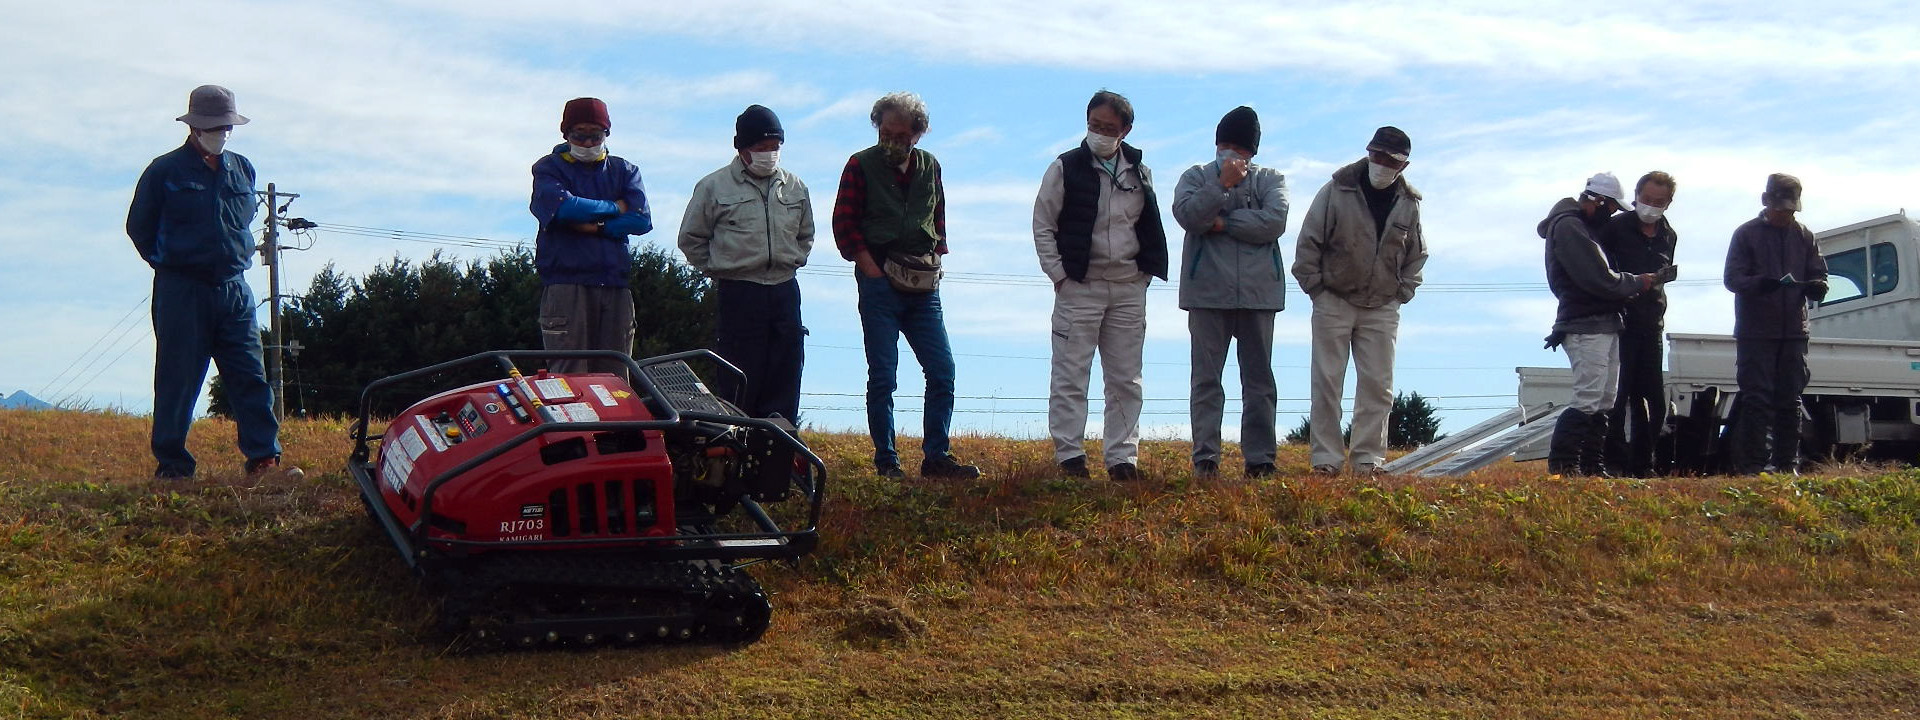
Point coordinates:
[[1113, 130], [587, 135]]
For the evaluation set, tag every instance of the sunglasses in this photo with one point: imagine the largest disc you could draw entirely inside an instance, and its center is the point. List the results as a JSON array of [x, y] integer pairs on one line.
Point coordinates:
[[587, 135]]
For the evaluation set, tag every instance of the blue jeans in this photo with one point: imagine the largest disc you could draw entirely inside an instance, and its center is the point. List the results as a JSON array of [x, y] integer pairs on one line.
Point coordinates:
[[194, 322], [885, 315]]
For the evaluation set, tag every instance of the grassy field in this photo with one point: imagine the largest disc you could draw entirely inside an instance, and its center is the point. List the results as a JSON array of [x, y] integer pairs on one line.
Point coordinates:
[[1506, 594]]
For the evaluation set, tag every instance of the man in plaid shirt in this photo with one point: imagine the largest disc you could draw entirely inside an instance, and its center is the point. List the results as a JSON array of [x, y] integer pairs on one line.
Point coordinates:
[[891, 203]]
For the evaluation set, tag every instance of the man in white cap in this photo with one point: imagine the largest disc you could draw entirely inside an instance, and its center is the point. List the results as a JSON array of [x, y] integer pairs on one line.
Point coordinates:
[[1588, 323], [189, 221]]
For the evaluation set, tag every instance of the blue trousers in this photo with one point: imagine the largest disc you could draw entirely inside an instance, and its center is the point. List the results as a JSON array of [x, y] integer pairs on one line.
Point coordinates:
[[886, 315], [194, 322]]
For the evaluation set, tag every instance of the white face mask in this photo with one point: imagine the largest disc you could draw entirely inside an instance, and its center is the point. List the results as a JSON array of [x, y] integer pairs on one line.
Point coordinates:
[[763, 163], [1102, 145], [1649, 213], [1381, 176], [587, 154], [213, 142]]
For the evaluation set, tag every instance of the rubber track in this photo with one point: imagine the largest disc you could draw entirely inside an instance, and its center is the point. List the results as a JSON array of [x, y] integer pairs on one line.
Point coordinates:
[[507, 600]]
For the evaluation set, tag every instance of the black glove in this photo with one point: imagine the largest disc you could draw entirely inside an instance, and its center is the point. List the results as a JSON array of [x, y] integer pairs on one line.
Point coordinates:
[[1554, 340], [1666, 274], [1815, 290]]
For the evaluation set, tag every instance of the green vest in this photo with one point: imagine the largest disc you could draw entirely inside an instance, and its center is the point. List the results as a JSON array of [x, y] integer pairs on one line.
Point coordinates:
[[897, 219]]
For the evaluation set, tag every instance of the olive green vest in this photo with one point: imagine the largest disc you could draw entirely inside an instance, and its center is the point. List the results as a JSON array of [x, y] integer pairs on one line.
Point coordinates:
[[900, 219]]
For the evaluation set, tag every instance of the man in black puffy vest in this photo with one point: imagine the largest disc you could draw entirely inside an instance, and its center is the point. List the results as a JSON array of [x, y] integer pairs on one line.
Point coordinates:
[[1096, 228]]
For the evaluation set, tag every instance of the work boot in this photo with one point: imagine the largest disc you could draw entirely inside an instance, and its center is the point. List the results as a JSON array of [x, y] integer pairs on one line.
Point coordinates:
[[1075, 467], [947, 467], [1205, 469], [1326, 470], [1569, 435], [890, 472], [1123, 472], [1593, 448], [1260, 471]]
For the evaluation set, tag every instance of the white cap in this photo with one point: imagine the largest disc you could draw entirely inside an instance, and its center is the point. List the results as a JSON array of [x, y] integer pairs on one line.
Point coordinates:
[[1605, 184]]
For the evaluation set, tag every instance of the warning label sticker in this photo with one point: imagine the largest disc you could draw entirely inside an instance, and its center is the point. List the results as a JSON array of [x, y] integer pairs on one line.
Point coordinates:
[[577, 412], [553, 389], [433, 434], [600, 391], [398, 464]]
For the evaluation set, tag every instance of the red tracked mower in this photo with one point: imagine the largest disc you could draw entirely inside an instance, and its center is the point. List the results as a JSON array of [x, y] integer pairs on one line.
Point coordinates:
[[580, 509]]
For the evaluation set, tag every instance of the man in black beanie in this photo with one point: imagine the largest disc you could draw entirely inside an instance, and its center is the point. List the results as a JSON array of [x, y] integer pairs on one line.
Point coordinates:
[[749, 226], [1231, 285]]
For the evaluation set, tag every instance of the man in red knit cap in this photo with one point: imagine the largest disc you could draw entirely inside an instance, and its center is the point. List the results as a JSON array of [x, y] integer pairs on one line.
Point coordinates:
[[587, 202]]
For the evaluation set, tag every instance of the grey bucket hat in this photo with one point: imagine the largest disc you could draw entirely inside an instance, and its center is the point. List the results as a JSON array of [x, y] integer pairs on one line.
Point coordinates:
[[211, 106]]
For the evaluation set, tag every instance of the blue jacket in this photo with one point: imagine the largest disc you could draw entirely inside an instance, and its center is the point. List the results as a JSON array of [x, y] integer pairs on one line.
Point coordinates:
[[567, 191], [193, 219]]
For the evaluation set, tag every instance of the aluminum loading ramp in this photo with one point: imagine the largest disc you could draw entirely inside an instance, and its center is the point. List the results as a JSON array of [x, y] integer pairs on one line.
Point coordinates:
[[1484, 444]]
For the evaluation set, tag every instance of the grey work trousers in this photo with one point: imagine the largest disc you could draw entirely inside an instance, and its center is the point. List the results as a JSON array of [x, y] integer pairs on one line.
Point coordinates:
[[1595, 358], [586, 317], [1341, 330], [1112, 318], [1252, 331]]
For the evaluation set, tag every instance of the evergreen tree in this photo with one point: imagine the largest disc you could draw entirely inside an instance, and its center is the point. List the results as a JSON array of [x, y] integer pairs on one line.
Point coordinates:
[[402, 316]]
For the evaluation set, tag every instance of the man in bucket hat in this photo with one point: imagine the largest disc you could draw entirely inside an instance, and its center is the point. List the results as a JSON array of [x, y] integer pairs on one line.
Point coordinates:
[[587, 202], [1773, 268], [189, 221], [1588, 321]]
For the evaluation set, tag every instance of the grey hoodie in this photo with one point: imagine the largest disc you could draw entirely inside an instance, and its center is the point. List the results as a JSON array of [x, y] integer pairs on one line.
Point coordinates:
[[1591, 294]]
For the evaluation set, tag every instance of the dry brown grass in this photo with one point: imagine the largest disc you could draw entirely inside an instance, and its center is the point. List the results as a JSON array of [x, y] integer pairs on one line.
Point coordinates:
[[1506, 595]]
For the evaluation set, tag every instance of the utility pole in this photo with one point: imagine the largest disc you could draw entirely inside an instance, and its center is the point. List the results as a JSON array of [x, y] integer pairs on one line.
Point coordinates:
[[270, 257]]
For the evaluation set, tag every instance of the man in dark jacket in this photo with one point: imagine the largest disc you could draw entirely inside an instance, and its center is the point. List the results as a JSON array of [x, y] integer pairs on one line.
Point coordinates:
[[1588, 320], [1097, 231], [189, 219], [1641, 241], [587, 202], [1774, 268]]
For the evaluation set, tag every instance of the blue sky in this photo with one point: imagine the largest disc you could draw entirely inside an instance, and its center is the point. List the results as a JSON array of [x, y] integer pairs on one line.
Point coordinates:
[[424, 115]]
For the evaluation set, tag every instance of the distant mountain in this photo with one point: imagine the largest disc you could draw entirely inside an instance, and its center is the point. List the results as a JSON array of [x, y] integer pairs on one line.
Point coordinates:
[[20, 399]]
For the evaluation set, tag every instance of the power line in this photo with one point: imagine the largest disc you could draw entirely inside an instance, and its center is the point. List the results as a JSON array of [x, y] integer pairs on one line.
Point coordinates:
[[96, 342]]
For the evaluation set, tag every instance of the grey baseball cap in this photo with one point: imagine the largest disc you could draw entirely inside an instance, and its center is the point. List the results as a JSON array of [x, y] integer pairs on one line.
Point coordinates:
[[211, 106]]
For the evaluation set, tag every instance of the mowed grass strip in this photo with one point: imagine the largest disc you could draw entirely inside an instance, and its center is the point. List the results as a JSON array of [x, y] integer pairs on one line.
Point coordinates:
[[1503, 594]]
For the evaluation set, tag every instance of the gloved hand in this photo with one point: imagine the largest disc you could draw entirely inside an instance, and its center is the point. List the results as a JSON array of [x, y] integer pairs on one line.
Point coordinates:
[[1666, 274], [1554, 340], [1815, 290]]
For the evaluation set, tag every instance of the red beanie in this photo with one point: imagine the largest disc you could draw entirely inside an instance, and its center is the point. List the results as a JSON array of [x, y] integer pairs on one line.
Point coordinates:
[[584, 110]]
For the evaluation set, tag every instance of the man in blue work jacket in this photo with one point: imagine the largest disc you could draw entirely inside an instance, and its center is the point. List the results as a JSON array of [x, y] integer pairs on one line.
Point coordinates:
[[587, 202], [189, 220]]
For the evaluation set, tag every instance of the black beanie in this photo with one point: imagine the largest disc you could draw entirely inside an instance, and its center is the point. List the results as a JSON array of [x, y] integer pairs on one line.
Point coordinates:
[[1241, 127], [756, 124]]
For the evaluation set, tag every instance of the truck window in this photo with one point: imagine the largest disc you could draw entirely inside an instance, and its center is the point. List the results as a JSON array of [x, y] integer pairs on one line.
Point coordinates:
[[1846, 276], [1886, 268]]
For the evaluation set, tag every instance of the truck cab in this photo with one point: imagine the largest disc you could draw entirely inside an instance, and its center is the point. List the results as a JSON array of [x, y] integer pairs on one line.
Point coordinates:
[[1871, 289]]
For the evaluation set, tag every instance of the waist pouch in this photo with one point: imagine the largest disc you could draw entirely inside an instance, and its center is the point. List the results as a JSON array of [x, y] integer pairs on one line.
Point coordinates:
[[913, 273]]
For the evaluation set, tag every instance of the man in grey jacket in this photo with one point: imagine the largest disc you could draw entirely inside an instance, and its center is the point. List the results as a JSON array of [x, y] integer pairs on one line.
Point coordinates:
[[749, 226], [1588, 320], [1231, 284], [1097, 231], [1359, 257]]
